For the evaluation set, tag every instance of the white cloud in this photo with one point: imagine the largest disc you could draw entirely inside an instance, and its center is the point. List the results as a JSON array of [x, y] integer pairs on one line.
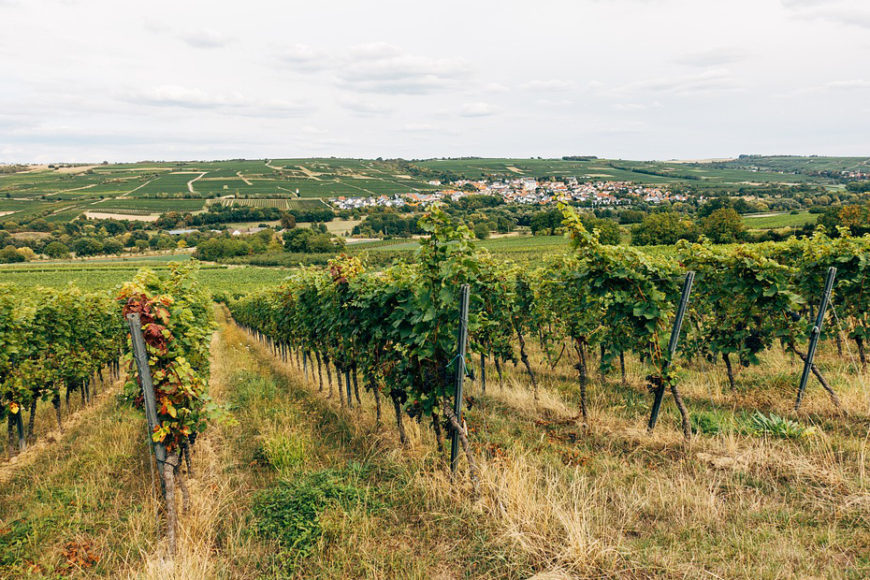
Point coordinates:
[[303, 57], [364, 106], [374, 51], [850, 85], [841, 86], [842, 12], [384, 68], [711, 81], [205, 38], [176, 96], [479, 109], [419, 127], [635, 107], [378, 67], [494, 88], [547, 85], [712, 57], [554, 102]]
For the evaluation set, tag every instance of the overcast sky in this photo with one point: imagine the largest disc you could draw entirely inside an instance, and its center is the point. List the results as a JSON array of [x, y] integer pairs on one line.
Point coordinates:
[[91, 80]]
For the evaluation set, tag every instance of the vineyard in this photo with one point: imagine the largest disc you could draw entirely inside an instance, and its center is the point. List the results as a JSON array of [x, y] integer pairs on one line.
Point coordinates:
[[52, 343], [624, 414], [397, 326]]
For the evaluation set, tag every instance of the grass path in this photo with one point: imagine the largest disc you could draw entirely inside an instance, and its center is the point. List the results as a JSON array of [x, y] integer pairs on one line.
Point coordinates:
[[194, 180]]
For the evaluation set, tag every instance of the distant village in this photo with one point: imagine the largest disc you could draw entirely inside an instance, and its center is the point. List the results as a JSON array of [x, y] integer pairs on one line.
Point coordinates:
[[527, 191]]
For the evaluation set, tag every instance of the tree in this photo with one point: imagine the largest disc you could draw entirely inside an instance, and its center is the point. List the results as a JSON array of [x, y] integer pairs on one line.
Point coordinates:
[[547, 220], [222, 247], [481, 231], [87, 247], [608, 230], [712, 205], [112, 246], [663, 228], [288, 220], [10, 255], [854, 217], [308, 240], [723, 226], [27, 252], [39, 225], [504, 224], [56, 250]]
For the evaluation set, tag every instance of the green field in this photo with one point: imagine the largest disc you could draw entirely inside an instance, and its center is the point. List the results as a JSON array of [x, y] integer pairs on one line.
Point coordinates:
[[148, 205], [781, 220], [93, 274], [153, 187]]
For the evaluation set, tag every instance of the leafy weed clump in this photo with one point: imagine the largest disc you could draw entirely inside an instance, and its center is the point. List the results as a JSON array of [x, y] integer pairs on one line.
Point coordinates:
[[779, 426], [291, 512]]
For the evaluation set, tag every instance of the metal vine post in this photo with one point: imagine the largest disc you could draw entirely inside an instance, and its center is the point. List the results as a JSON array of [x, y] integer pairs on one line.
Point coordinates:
[[459, 376], [815, 334], [672, 347]]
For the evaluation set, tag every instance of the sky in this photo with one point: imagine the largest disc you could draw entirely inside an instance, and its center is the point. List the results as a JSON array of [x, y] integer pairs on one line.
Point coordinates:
[[87, 81]]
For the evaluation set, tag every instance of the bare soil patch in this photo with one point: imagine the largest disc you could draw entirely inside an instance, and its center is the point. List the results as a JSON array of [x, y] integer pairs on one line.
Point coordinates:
[[99, 215], [311, 174]]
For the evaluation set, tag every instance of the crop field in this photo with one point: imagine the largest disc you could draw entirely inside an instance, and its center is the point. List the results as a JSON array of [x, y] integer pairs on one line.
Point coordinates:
[[148, 205], [795, 164], [167, 184], [305, 204], [256, 202], [51, 191], [698, 174], [782, 220], [108, 273]]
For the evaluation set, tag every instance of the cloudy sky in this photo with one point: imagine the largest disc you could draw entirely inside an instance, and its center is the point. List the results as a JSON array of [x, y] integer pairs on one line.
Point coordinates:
[[87, 80]]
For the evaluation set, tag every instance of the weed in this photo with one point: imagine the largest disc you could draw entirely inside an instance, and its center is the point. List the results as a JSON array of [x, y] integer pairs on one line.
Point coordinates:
[[779, 426], [285, 452], [291, 511]]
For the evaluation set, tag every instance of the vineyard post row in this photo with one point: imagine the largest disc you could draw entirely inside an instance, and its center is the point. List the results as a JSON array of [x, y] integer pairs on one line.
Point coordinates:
[[51, 340], [394, 324]]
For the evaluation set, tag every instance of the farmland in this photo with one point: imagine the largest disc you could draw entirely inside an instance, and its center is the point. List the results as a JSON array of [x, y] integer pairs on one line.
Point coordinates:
[[62, 193], [783, 220], [105, 274]]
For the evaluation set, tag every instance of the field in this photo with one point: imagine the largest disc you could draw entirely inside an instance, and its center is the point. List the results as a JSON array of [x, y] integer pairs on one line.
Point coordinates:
[[153, 187], [108, 273], [697, 174], [782, 220]]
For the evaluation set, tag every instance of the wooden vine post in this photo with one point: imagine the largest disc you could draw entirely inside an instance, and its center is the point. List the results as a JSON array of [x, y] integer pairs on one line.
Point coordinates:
[[166, 468], [672, 349], [814, 337]]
